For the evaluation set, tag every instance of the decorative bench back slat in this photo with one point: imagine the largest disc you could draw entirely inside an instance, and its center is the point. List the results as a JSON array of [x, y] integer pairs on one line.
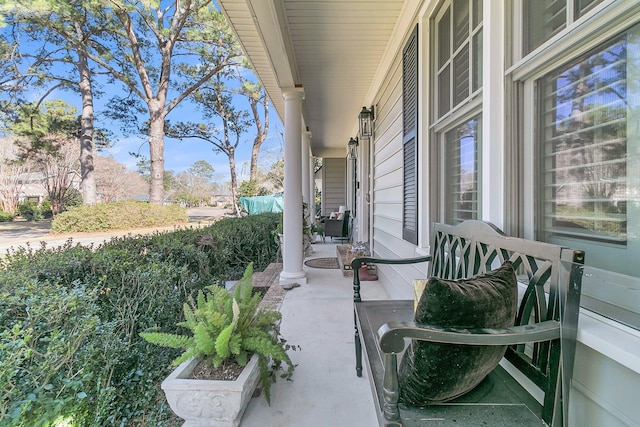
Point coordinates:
[[476, 247]]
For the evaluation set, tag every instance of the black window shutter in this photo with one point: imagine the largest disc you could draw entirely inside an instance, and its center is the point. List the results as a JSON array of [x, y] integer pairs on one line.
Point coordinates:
[[410, 138]]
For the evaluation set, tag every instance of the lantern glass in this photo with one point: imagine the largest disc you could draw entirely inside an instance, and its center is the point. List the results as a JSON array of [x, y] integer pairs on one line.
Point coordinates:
[[366, 122], [353, 148]]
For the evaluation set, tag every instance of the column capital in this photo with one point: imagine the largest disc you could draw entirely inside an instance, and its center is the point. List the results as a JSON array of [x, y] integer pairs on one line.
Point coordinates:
[[293, 93]]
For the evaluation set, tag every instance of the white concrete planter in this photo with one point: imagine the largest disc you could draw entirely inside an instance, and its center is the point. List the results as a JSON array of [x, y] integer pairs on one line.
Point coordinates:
[[209, 403]]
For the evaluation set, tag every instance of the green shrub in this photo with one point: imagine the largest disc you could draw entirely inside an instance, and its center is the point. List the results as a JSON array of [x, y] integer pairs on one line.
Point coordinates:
[[70, 319], [117, 216], [45, 208], [239, 241], [30, 210], [72, 198], [46, 340], [6, 216]]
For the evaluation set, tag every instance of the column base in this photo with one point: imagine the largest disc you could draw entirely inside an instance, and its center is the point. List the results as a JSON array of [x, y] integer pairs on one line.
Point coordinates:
[[299, 277]]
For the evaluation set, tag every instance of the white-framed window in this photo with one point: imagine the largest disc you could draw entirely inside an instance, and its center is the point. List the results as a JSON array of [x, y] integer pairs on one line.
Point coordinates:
[[457, 83], [582, 148], [543, 19]]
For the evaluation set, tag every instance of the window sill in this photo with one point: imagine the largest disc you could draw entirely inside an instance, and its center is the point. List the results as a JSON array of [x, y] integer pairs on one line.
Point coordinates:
[[610, 338]]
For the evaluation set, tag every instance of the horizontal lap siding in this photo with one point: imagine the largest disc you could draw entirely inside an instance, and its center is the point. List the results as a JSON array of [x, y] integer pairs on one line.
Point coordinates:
[[604, 392], [334, 184], [387, 190]]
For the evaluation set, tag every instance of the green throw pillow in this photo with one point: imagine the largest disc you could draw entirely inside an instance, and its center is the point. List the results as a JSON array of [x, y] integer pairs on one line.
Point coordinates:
[[433, 372]]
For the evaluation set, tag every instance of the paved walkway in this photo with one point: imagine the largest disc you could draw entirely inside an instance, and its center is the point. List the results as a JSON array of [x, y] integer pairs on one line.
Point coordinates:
[[325, 391]]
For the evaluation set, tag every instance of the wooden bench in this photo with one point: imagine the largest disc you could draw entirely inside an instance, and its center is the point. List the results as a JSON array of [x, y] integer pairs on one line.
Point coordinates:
[[541, 344]]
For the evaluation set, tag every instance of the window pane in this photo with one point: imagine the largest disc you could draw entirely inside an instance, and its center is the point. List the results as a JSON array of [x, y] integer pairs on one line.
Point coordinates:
[[460, 23], [477, 62], [542, 20], [444, 38], [477, 13], [461, 76], [585, 144], [462, 145], [444, 92], [583, 6]]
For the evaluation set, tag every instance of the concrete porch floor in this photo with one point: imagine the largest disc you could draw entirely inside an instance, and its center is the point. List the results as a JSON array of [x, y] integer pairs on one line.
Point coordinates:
[[325, 391]]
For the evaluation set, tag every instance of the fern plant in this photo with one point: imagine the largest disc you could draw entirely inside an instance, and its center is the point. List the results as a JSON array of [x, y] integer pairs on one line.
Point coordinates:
[[231, 328]]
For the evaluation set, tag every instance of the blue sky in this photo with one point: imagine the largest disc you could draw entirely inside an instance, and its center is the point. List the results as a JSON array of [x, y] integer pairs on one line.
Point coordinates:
[[180, 155]]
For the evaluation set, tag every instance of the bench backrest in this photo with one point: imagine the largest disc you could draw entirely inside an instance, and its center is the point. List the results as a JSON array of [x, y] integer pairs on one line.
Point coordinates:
[[550, 292]]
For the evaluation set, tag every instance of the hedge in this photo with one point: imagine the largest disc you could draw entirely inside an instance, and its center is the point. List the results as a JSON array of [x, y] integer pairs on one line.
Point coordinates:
[[70, 318], [117, 216]]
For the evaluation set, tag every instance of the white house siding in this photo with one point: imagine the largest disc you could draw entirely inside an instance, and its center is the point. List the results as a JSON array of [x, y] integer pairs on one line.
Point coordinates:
[[607, 370], [605, 393], [386, 190], [334, 189]]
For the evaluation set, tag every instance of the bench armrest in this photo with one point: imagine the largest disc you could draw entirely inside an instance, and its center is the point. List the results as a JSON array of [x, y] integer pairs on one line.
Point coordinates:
[[391, 335], [358, 262]]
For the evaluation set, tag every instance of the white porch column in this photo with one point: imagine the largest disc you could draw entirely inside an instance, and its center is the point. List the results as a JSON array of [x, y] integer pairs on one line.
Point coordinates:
[[292, 256], [312, 189], [306, 150]]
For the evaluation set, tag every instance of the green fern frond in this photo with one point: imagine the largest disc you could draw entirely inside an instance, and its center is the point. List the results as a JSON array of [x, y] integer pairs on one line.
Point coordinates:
[[244, 286], [235, 344], [204, 343], [222, 342], [267, 318], [221, 300], [168, 340], [201, 302], [266, 378], [219, 320], [190, 319], [184, 357], [242, 358]]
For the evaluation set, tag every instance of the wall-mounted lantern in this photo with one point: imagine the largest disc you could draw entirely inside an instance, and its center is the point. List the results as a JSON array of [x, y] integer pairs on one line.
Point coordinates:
[[352, 147], [366, 117]]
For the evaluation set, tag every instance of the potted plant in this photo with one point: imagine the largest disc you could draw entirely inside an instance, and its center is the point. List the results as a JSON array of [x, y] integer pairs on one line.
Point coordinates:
[[226, 330]]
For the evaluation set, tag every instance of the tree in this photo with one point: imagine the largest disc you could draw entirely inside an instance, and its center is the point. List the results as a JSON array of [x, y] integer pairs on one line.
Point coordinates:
[[216, 101], [162, 51], [13, 175], [276, 174], [195, 185], [115, 181], [49, 41], [49, 140], [257, 97]]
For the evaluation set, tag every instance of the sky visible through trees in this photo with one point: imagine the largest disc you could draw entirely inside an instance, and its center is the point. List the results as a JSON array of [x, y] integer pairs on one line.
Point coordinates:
[[179, 155]]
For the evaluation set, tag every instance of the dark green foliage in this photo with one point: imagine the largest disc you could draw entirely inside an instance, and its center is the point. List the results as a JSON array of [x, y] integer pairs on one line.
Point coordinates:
[[45, 208], [70, 320], [117, 216], [244, 240], [6, 216], [30, 210], [72, 198]]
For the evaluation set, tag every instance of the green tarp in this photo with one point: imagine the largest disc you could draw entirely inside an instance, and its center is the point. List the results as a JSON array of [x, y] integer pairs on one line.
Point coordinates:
[[260, 204]]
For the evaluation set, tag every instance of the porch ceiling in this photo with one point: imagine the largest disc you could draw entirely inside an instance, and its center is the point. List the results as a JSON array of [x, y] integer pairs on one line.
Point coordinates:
[[334, 49]]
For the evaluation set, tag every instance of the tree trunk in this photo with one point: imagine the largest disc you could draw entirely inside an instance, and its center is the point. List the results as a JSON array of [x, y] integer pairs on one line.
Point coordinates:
[[234, 180], [88, 180], [156, 151], [261, 135]]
